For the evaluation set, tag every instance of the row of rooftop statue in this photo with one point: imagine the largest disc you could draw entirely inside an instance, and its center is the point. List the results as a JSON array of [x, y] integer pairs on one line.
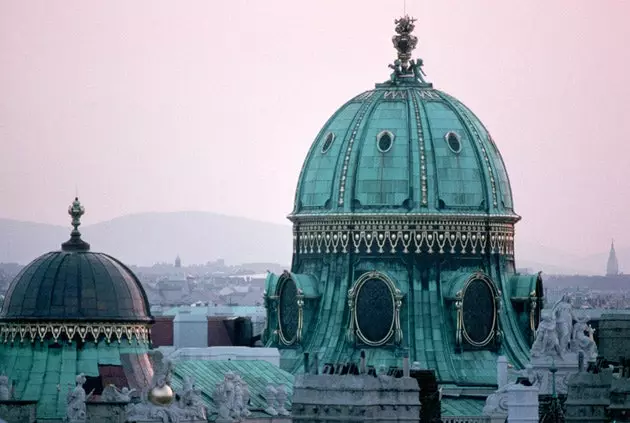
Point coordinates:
[[557, 334], [160, 403]]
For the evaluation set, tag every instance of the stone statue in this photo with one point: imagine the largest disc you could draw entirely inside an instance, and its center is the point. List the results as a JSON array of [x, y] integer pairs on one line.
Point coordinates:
[[158, 403], [582, 342], [230, 396], [416, 66], [241, 397], [397, 71], [281, 399], [271, 398], [546, 342], [76, 398], [112, 394], [190, 401], [5, 393], [563, 313]]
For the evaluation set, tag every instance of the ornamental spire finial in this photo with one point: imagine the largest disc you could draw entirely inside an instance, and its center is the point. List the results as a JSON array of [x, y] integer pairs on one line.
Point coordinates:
[[75, 243], [406, 69], [404, 41]]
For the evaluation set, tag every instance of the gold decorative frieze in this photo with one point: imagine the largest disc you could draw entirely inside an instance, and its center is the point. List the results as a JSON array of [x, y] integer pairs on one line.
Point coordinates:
[[421, 236], [73, 331]]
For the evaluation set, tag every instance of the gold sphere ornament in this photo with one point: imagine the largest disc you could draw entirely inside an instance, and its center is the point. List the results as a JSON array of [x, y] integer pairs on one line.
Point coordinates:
[[161, 395]]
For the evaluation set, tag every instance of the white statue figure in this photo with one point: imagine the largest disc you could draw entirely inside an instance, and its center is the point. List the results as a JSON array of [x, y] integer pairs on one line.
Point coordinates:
[[582, 342], [270, 397], [281, 399], [563, 313], [232, 396], [5, 393], [76, 398], [546, 342], [112, 394], [241, 393], [190, 401]]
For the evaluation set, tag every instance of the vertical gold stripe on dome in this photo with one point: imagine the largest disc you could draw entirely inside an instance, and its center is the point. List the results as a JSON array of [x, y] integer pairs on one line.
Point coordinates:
[[355, 131], [487, 162], [423, 158]]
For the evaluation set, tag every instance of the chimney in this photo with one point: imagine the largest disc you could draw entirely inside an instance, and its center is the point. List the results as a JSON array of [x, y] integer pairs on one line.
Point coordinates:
[[315, 364], [406, 363], [307, 369]]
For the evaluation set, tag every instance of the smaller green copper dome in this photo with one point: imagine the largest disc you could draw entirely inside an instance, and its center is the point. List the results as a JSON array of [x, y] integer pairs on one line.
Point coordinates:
[[76, 284]]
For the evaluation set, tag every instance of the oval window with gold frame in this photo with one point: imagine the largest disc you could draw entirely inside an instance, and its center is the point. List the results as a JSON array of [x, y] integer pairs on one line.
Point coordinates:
[[375, 309], [479, 311], [288, 312]]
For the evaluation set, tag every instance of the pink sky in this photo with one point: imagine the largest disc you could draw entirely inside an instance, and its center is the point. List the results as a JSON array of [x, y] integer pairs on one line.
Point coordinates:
[[208, 105]]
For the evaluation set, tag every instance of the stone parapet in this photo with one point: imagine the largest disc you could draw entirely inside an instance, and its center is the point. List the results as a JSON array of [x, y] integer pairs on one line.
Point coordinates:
[[522, 403], [18, 411], [350, 398], [567, 366], [588, 397]]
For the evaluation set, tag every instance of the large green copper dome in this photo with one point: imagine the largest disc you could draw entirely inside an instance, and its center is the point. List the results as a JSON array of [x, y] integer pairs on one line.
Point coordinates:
[[404, 148], [403, 241]]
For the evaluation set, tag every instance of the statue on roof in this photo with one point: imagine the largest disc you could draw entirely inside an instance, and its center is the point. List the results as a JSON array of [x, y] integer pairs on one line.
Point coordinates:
[[546, 342], [76, 411], [190, 401], [112, 394], [581, 342], [230, 396], [563, 313]]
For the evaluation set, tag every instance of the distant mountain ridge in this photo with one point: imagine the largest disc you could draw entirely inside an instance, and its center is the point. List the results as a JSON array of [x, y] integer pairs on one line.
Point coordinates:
[[146, 238], [199, 237]]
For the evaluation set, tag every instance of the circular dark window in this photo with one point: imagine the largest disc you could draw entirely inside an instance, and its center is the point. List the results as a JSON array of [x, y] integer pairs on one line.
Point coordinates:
[[328, 142], [454, 141], [374, 311], [384, 141], [479, 312], [288, 311]]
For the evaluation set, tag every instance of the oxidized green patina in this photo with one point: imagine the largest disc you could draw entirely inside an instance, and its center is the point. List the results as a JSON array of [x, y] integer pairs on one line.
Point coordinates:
[[405, 184]]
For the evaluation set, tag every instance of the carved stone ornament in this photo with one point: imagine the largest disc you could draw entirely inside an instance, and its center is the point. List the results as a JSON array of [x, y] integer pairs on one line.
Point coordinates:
[[112, 394], [271, 398], [281, 399], [158, 403], [497, 402], [76, 398], [232, 397]]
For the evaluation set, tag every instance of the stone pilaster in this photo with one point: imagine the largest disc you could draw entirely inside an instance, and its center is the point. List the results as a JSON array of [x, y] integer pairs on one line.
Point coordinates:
[[522, 403]]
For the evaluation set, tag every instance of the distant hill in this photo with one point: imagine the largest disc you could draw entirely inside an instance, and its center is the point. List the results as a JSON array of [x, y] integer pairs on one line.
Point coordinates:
[[199, 237], [147, 238]]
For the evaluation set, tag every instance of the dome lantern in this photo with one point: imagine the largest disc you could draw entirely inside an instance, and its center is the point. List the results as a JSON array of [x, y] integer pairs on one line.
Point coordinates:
[[75, 243]]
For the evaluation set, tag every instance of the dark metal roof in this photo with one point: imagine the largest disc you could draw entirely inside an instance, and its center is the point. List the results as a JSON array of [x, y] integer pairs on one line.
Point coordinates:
[[76, 285]]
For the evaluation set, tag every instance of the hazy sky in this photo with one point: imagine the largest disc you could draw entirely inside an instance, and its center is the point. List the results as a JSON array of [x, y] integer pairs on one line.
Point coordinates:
[[212, 105]]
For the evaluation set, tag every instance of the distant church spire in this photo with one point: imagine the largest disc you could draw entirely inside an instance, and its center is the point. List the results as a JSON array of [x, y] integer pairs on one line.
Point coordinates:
[[612, 267]]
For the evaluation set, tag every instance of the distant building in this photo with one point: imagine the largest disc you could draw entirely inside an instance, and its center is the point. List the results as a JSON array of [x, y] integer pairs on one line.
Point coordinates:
[[612, 267], [178, 262]]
